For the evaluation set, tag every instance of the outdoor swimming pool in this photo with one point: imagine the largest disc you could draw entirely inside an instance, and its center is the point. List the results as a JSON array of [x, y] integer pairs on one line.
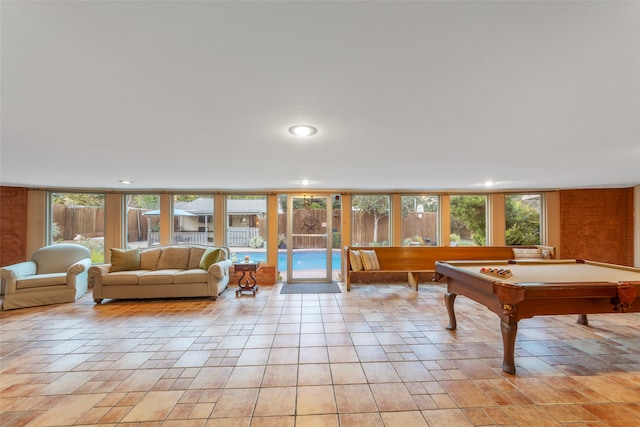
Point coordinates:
[[302, 260]]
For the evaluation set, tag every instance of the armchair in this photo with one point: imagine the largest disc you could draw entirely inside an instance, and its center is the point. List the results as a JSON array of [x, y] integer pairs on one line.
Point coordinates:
[[55, 274]]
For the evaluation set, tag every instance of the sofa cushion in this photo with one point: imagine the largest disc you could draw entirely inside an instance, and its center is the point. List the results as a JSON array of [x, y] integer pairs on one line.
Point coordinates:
[[125, 259], [196, 275], [41, 280], [158, 277], [370, 260], [122, 277], [149, 258], [209, 257], [195, 256], [174, 258]]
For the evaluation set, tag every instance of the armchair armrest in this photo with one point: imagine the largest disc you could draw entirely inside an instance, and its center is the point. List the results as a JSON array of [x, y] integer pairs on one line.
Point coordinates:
[[78, 272], [11, 273], [79, 267]]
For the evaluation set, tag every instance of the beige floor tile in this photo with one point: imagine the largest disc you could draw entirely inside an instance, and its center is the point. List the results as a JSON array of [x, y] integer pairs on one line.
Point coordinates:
[[246, 377], [283, 356], [314, 374], [317, 421], [288, 421], [448, 418], [403, 419], [381, 372], [371, 419], [313, 355], [342, 354], [254, 356], [393, 397], [354, 398], [229, 422], [276, 401], [67, 411], [155, 406], [280, 376], [235, 403], [347, 373], [315, 400]]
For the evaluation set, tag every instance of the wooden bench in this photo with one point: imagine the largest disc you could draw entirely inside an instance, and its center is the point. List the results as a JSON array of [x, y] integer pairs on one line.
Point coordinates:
[[415, 260]]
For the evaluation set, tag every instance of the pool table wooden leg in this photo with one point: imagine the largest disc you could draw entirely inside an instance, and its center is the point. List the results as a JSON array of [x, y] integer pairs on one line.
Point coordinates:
[[449, 299], [509, 331], [582, 320]]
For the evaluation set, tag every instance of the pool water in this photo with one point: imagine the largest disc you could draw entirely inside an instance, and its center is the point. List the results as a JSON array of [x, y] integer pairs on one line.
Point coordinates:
[[303, 260]]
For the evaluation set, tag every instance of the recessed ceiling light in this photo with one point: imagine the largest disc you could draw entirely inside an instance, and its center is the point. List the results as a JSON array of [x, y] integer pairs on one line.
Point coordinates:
[[125, 181], [304, 182], [489, 183], [303, 130]]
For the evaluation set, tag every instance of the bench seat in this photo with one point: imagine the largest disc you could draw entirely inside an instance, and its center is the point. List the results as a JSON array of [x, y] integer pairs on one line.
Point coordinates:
[[416, 260]]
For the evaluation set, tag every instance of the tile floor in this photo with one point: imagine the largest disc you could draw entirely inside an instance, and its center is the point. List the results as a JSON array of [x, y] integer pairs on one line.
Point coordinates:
[[377, 356]]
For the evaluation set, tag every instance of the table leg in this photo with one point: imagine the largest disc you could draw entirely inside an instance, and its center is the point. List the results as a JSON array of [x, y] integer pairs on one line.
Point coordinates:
[[249, 284], [449, 299], [582, 320], [509, 331], [241, 279]]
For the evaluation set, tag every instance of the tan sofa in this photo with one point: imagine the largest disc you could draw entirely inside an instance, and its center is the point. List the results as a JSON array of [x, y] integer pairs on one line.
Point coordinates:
[[162, 272], [55, 274]]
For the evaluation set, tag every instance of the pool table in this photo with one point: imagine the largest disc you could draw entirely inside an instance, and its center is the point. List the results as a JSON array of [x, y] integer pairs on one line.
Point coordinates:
[[537, 288]]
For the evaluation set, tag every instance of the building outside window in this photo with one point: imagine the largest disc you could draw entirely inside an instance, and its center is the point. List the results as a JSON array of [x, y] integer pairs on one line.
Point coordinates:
[[370, 220], [247, 226], [142, 220], [522, 214], [78, 218], [419, 220], [193, 219], [468, 220]]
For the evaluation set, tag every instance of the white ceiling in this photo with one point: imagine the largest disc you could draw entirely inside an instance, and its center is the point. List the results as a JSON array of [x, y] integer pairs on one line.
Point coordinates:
[[407, 96]]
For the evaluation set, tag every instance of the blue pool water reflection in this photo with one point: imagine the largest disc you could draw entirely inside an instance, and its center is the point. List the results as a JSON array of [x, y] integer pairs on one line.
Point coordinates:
[[302, 260]]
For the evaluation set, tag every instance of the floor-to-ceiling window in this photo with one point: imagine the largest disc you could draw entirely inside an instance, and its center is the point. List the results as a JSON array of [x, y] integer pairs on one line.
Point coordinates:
[[142, 220], [522, 215], [370, 225], [468, 220], [78, 218], [193, 218], [420, 220], [247, 226]]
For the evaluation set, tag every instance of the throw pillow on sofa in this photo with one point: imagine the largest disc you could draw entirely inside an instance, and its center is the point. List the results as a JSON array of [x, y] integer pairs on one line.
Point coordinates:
[[210, 257], [174, 258], [125, 259]]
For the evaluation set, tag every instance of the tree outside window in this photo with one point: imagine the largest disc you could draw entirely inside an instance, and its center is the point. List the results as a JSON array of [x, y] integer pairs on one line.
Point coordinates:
[[370, 220], [522, 213], [468, 220], [78, 218]]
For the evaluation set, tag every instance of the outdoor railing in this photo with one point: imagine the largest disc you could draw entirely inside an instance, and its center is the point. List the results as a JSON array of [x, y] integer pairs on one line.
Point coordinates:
[[236, 236], [180, 237], [241, 236]]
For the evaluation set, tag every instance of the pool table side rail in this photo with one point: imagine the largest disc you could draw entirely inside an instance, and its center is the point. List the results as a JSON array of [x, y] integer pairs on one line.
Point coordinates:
[[533, 298]]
